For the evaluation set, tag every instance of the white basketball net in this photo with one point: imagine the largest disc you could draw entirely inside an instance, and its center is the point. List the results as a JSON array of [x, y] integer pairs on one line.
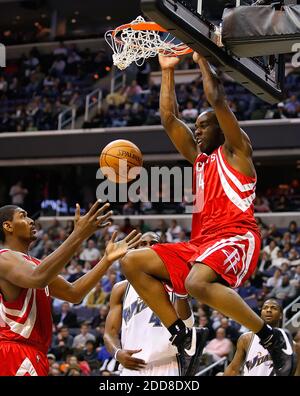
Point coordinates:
[[131, 45]]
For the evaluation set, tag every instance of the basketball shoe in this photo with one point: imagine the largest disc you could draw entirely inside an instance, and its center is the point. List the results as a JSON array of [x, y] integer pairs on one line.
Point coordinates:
[[280, 347], [190, 350]]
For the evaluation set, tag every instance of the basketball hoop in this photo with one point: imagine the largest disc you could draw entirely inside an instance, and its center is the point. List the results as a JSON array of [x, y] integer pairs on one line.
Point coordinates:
[[139, 40]]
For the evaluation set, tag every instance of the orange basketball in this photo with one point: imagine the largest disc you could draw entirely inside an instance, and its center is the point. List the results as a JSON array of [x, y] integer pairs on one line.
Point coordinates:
[[117, 158]]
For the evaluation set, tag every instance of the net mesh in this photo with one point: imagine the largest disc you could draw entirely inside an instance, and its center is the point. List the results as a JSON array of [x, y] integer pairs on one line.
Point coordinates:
[[131, 45]]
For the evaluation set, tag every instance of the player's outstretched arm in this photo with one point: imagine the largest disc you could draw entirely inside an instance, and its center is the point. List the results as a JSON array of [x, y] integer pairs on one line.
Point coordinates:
[[113, 327], [180, 134], [18, 271], [235, 366], [236, 140], [75, 292]]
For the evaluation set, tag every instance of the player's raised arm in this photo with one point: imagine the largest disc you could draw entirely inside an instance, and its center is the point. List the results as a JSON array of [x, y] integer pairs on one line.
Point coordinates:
[[181, 136], [236, 140], [16, 270], [75, 292]]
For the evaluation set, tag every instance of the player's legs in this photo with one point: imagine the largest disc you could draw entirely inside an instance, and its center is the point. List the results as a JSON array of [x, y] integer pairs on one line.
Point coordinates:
[[201, 284], [145, 270]]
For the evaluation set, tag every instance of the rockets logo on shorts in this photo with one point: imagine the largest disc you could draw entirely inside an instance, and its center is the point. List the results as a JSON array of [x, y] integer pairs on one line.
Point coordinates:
[[232, 260]]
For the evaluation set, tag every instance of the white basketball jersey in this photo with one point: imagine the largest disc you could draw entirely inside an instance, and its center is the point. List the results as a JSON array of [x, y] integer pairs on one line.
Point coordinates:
[[258, 360], [142, 329]]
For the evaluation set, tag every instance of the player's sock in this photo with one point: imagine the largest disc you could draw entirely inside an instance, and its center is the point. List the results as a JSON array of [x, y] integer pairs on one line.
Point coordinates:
[[265, 334], [179, 332]]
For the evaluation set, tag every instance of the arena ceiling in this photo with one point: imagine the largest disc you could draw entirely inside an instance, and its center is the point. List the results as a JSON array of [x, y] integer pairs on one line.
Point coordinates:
[[88, 13], [79, 14]]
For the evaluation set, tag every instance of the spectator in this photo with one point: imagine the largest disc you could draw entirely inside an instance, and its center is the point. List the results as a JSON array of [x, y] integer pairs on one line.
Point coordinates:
[[101, 317], [66, 317], [275, 280], [248, 294], [190, 113], [84, 336], [272, 249], [96, 297], [62, 343], [90, 253], [285, 293], [218, 347], [77, 274], [261, 205], [127, 227], [18, 194], [174, 232], [109, 280], [231, 332], [90, 355]]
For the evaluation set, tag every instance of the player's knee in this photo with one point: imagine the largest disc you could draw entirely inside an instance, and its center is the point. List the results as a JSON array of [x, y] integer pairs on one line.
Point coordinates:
[[127, 263], [196, 288]]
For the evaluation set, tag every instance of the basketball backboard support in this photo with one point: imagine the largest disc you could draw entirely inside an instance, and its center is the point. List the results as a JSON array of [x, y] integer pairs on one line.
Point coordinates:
[[188, 25]]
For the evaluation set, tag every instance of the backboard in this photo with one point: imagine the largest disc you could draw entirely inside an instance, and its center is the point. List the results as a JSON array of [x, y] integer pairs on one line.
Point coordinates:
[[182, 18]]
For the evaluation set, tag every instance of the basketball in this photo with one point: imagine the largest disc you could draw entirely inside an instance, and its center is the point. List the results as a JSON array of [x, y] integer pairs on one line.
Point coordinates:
[[117, 158]]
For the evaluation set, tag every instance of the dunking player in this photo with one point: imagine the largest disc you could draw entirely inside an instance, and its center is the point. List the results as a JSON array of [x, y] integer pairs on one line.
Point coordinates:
[[251, 358], [27, 284], [142, 333], [225, 240]]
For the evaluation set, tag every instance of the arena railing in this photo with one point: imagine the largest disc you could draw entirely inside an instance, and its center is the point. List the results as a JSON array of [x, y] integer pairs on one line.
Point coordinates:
[[223, 360], [91, 100], [294, 320], [66, 117], [281, 220], [118, 79]]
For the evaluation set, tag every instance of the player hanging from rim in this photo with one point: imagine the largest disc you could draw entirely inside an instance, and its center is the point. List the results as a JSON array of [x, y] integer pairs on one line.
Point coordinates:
[[251, 358], [225, 239], [27, 285], [142, 333]]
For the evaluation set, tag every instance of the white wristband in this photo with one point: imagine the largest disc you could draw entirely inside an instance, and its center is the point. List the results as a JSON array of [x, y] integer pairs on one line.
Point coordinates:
[[115, 355]]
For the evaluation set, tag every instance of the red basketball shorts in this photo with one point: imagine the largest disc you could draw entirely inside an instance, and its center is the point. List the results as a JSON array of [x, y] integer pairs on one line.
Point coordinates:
[[233, 256], [17, 359]]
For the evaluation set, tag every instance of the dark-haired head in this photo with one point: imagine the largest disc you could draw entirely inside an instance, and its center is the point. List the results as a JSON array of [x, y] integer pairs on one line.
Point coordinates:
[[271, 312], [6, 214], [208, 133], [15, 223], [148, 239]]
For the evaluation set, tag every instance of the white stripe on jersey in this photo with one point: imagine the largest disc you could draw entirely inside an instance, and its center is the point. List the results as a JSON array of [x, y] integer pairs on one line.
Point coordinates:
[[242, 203], [26, 315], [232, 177], [234, 241], [26, 367]]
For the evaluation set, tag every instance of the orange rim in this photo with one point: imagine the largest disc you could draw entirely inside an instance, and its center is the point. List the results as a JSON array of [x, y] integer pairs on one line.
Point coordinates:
[[140, 26], [151, 26]]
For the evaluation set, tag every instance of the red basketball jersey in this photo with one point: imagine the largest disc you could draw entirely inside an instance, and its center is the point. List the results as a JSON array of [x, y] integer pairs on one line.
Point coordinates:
[[28, 319], [223, 197]]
